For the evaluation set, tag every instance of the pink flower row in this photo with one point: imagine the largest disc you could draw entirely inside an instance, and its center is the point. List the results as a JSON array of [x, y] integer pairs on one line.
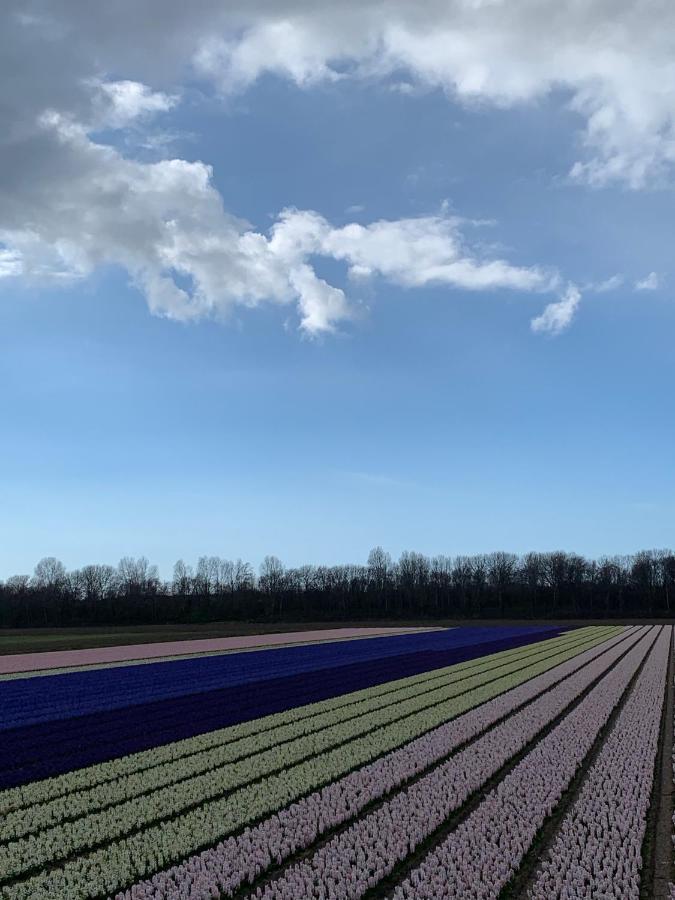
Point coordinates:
[[480, 857], [597, 853], [59, 659], [223, 869], [360, 857]]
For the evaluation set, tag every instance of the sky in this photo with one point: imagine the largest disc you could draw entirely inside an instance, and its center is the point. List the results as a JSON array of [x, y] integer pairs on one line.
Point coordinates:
[[305, 278]]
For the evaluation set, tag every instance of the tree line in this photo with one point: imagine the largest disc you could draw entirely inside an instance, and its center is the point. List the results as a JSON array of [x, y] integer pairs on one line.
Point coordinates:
[[492, 585]]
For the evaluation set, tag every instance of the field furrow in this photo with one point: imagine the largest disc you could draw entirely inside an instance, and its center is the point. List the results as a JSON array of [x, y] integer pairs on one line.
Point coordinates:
[[492, 763], [189, 794], [598, 847], [44, 749], [487, 848], [29, 808], [367, 852], [226, 867]]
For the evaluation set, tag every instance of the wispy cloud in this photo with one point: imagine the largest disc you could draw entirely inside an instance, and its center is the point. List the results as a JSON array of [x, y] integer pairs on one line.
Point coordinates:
[[603, 287], [650, 283], [10, 263], [558, 316]]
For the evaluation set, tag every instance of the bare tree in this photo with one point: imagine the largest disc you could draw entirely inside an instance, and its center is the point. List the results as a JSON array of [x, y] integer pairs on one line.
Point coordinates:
[[533, 575], [379, 567], [49, 579], [242, 575], [97, 582], [182, 579], [665, 560], [461, 579], [271, 581], [545, 584], [380, 570], [501, 568], [50, 573], [555, 571]]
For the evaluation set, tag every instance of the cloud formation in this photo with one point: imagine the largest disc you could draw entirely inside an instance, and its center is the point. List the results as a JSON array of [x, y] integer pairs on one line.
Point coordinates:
[[613, 61], [70, 202], [165, 223], [650, 283], [123, 102], [558, 316], [609, 284]]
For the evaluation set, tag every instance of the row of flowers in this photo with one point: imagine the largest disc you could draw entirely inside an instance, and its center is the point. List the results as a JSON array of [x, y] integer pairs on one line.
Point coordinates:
[[598, 847], [204, 823], [61, 696], [223, 870], [359, 858], [482, 855], [46, 749], [76, 803]]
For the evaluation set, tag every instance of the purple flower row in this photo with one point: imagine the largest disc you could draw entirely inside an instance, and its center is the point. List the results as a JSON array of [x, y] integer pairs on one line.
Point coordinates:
[[225, 868], [480, 857], [597, 850], [27, 701], [101, 721], [360, 857]]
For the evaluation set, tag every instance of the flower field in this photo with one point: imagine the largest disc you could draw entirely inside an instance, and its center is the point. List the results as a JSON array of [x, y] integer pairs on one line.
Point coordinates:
[[479, 762]]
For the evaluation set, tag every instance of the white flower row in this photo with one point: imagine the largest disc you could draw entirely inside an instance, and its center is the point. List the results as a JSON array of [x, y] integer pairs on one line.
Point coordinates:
[[360, 857], [106, 869], [225, 868], [138, 801], [29, 820], [597, 853], [268, 731], [481, 856]]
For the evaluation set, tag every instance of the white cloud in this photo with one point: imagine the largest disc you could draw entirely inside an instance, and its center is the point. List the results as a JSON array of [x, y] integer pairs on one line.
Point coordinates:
[[321, 305], [69, 204], [123, 102], [614, 61], [558, 316], [10, 263], [650, 283], [609, 284], [280, 46], [422, 251], [165, 223]]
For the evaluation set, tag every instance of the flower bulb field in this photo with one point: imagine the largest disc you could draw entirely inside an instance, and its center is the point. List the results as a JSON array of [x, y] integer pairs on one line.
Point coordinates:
[[473, 762]]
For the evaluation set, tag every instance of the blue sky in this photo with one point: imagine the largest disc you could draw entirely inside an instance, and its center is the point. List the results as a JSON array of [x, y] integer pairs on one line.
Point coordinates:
[[408, 407]]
